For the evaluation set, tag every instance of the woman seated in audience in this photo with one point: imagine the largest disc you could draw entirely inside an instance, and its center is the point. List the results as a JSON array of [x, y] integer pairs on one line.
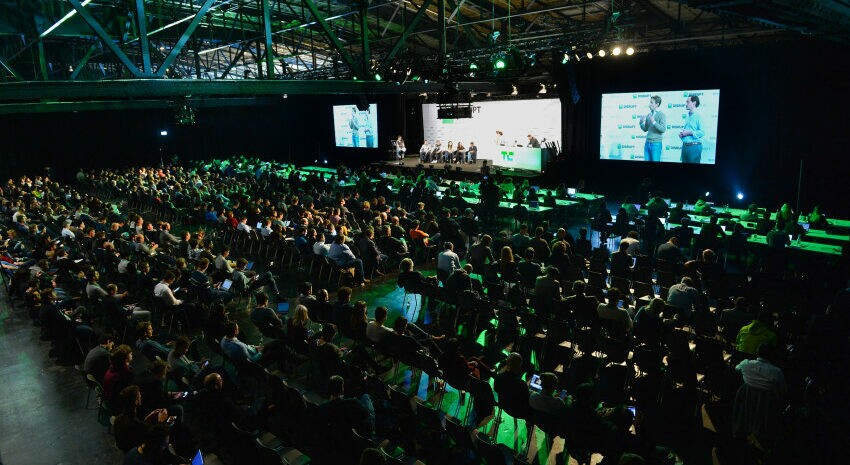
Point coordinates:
[[297, 332], [507, 265]]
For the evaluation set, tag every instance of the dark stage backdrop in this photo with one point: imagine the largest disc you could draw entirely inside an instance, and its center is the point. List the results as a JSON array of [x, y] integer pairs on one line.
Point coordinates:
[[779, 104], [297, 129]]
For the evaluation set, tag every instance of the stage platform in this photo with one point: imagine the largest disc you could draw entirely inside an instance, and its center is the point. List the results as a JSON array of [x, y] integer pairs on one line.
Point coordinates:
[[412, 162]]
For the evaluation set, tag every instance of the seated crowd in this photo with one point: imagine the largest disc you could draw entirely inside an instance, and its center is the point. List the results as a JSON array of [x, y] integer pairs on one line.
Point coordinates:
[[617, 354]]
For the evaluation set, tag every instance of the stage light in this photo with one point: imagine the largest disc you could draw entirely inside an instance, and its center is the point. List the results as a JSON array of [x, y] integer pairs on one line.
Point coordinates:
[[163, 133], [514, 91], [601, 52], [707, 193], [326, 162], [630, 51], [499, 63], [473, 66], [377, 77], [566, 58], [542, 89], [616, 51], [740, 196], [589, 55]]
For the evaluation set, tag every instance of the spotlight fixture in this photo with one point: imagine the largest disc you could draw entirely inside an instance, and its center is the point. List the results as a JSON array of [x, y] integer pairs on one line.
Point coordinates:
[[616, 51], [542, 89], [163, 133], [499, 63], [473, 66], [565, 59], [601, 52], [630, 51], [377, 76], [514, 91], [740, 196], [589, 55], [707, 193]]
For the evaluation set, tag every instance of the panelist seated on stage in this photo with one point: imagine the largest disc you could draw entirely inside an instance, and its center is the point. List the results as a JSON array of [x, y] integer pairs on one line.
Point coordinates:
[[425, 151], [533, 142]]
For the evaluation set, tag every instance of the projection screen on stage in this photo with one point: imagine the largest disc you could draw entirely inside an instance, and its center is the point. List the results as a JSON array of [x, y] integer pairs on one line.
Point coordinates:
[[636, 127], [516, 119]]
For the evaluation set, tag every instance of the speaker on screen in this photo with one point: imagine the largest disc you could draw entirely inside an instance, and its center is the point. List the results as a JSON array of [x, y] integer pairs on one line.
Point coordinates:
[[660, 126]]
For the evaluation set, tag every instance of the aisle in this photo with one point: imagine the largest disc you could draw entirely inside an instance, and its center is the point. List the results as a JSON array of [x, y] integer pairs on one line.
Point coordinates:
[[43, 419]]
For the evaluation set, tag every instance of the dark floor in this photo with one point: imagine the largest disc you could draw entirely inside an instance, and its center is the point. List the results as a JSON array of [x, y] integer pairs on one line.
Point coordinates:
[[43, 415]]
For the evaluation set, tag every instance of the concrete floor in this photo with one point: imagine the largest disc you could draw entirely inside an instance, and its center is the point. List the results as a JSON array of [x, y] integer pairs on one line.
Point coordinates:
[[43, 415]]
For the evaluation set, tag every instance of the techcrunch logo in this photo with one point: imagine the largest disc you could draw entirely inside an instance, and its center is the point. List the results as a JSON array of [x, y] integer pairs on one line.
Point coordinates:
[[624, 107], [507, 156]]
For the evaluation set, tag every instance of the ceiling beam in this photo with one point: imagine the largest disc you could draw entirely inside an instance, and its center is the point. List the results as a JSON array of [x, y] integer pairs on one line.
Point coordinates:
[[407, 30], [331, 36], [178, 47], [98, 29]]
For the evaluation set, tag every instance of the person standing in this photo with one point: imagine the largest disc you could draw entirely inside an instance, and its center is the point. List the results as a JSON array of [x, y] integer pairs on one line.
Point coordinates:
[[354, 126], [692, 133], [653, 124], [533, 142]]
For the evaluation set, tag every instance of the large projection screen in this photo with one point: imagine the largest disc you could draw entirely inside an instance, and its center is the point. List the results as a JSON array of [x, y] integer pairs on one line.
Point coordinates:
[[356, 128], [516, 119], [624, 137]]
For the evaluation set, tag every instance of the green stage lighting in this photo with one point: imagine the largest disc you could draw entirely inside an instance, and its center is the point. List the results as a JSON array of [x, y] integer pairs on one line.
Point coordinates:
[[377, 77], [473, 66], [499, 64]]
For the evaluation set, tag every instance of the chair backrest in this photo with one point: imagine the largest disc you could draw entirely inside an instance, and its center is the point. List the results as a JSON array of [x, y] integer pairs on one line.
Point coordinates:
[[461, 436], [597, 280], [489, 452], [266, 455]]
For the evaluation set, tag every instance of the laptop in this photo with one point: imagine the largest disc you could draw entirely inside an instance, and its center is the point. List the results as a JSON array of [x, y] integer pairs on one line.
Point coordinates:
[[806, 226], [533, 205], [572, 191], [259, 225], [226, 284], [637, 206], [198, 459], [283, 307], [249, 265]]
